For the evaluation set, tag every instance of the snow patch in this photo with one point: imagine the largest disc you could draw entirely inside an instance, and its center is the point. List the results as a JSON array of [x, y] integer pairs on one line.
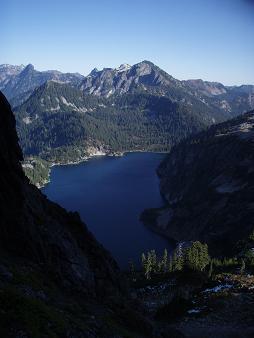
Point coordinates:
[[27, 165], [218, 288], [54, 109], [110, 93], [123, 68], [27, 120], [65, 102], [69, 104], [194, 311]]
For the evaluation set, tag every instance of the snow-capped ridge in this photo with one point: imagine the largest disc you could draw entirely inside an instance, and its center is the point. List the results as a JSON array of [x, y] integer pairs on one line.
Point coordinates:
[[124, 67]]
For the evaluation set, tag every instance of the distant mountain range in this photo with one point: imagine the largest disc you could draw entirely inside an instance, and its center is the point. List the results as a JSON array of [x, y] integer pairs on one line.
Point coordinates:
[[61, 123], [145, 76], [56, 280], [62, 116], [18, 82]]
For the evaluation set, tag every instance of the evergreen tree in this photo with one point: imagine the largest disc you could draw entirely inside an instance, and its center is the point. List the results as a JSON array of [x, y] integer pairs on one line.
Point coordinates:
[[242, 268], [164, 261], [251, 237], [210, 273], [170, 264], [178, 261], [143, 260], [148, 266], [197, 257], [153, 260]]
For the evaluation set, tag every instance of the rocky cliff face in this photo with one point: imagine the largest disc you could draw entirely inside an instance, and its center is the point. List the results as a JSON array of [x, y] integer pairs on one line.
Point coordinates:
[[56, 280], [35, 228], [144, 76], [147, 77], [208, 185], [7, 72]]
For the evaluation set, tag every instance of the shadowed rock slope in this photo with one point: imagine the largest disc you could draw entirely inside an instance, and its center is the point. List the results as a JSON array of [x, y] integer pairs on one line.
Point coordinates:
[[56, 280], [208, 184]]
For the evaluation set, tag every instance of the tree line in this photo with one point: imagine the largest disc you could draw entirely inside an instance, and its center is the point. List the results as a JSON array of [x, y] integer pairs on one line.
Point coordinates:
[[194, 257]]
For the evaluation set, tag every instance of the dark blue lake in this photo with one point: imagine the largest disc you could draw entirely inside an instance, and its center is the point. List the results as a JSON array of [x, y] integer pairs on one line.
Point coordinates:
[[110, 193]]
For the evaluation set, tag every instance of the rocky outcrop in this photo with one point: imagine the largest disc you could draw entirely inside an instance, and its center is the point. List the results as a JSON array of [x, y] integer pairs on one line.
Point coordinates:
[[125, 79], [206, 88], [147, 77], [208, 184], [7, 72]]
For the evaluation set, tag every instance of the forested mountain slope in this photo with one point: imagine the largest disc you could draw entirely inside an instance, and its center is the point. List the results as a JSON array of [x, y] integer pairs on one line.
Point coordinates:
[[66, 118], [59, 120]]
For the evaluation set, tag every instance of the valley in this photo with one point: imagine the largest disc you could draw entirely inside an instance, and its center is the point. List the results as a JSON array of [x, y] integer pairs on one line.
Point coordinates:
[[65, 118], [127, 169], [188, 277]]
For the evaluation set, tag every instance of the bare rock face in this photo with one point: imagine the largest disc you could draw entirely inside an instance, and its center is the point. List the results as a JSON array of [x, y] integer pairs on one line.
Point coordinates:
[[125, 79], [7, 72], [208, 184], [206, 88], [147, 77]]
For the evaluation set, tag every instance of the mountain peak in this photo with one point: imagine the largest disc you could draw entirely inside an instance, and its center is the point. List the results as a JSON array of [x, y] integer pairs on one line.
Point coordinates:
[[93, 72], [123, 67], [28, 68], [146, 62]]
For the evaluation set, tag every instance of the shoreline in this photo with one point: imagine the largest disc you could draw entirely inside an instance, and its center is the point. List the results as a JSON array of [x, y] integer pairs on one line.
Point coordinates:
[[173, 243], [81, 160], [159, 232], [87, 158]]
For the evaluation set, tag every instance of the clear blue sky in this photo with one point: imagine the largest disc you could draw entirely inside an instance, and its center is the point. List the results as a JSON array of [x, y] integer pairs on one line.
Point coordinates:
[[209, 39]]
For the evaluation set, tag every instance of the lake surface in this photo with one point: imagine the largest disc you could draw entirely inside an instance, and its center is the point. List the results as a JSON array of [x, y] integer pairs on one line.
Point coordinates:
[[110, 193]]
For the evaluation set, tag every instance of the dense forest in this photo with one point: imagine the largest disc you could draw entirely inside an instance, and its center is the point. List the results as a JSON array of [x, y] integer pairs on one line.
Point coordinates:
[[59, 122]]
